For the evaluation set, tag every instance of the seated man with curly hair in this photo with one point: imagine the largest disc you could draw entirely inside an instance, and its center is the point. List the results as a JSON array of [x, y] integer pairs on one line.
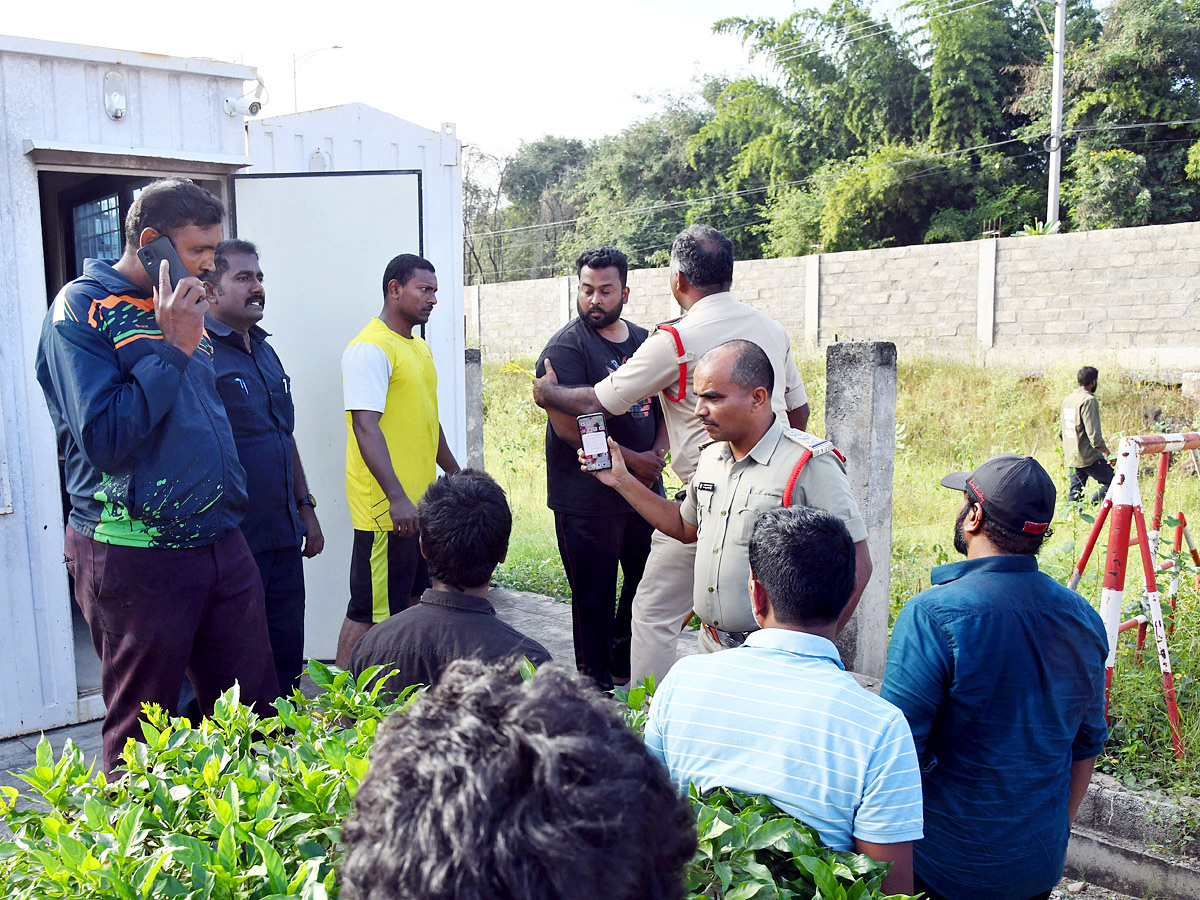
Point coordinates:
[[493, 788]]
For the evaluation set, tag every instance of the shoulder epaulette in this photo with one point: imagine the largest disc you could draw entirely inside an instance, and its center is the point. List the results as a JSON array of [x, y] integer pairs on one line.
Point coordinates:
[[817, 446]]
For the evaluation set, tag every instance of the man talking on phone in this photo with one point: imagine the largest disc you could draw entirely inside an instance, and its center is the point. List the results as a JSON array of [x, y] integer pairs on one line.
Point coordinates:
[[162, 572]]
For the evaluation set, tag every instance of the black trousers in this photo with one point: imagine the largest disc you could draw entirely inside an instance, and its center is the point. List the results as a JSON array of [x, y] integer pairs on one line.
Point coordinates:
[[591, 548], [1100, 470], [919, 886], [282, 574]]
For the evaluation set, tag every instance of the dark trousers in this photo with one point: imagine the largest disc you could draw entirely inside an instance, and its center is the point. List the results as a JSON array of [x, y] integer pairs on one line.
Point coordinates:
[[919, 886], [282, 574], [1100, 470], [591, 548], [157, 615]]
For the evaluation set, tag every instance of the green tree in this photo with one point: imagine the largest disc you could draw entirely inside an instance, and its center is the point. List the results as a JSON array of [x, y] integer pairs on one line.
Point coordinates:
[[975, 54], [1108, 190], [538, 181], [839, 81], [646, 183], [1123, 86]]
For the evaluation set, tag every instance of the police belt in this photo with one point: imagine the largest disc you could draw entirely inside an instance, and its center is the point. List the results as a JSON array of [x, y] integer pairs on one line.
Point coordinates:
[[727, 639]]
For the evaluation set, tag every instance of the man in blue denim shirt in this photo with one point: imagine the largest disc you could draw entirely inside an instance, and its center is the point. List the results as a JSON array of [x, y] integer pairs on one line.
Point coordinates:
[[999, 670]]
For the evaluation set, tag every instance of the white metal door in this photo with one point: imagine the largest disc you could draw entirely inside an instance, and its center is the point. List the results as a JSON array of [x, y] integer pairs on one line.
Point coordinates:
[[324, 240]]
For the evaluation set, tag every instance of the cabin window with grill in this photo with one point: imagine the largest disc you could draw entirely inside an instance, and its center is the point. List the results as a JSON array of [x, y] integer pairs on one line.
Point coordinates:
[[97, 225]]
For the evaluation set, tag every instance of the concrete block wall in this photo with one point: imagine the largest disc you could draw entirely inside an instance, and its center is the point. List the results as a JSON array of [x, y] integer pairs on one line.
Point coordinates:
[[1128, 297], [919, 297], [1139, 286]]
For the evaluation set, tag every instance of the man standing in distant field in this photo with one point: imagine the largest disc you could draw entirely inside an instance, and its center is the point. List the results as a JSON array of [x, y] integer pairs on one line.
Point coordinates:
[[597, 530], [393, 448], [281, 524], [999, 670], [1083, 441], [701, 279]]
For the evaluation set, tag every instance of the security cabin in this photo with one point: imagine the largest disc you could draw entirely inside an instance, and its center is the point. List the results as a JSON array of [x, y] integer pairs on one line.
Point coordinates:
[[328, 196]]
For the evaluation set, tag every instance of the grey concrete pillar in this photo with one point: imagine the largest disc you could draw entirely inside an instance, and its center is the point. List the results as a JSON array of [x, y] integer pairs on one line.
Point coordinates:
[[860, 419], [474, 385]]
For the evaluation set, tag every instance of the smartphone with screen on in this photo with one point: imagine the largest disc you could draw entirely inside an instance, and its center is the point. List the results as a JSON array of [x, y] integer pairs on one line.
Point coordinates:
[[155, 252], [594, 434]]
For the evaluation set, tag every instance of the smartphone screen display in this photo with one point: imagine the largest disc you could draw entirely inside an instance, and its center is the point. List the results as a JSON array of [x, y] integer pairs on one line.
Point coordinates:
[[595, 442]]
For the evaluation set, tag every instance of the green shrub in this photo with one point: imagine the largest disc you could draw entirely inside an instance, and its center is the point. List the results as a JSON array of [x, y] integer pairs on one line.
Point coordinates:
[[243, 808], [236, 808]]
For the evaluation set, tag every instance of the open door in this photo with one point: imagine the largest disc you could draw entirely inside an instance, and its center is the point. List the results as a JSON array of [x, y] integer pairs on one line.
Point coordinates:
[[324, 240]]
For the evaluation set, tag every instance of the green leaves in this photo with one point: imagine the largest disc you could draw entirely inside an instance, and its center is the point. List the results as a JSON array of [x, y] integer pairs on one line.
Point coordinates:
[[236, 808], [750, 849], [242, 808]]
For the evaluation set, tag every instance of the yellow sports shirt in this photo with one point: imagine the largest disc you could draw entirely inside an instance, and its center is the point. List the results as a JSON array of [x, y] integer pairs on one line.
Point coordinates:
[[395, 376]]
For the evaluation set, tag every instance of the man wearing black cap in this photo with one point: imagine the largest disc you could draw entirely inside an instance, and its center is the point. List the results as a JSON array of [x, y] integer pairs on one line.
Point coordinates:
[[999, 670]]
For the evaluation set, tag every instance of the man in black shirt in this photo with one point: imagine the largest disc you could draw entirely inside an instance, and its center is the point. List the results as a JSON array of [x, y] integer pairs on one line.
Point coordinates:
[[464, 523], [281, 523], [597, 530]]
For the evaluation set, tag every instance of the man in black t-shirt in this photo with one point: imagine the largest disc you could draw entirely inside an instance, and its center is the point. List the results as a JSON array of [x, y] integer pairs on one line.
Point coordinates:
[[597, 530]]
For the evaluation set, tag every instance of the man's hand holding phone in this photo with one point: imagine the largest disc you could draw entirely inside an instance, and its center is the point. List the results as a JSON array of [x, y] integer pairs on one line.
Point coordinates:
[[179, 311], [615, 476]]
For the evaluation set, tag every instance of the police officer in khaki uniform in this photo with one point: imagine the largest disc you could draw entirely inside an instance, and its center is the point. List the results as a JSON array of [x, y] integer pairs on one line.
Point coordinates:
[[752, 464], [701, 277]]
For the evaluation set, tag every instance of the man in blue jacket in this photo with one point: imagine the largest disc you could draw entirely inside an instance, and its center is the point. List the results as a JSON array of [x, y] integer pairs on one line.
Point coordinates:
[[999, 670], [162, 572]]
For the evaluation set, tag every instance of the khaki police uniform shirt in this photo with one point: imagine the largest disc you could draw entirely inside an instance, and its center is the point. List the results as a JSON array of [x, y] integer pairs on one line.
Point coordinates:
[[1081, 429], [725, 498], [711, 321]]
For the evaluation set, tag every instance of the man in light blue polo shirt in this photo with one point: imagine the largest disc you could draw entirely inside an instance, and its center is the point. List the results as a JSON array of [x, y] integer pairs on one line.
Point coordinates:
[[780, 716]]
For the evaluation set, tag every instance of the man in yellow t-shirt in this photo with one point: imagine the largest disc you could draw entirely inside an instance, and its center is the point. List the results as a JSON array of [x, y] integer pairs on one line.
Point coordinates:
[[393, 443]]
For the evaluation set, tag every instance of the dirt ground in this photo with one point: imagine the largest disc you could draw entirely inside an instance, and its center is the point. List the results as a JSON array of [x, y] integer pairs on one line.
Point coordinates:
[[1089, 892]]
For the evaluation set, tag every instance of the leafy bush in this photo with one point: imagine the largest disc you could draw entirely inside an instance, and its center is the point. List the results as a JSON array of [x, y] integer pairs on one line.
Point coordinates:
[[243, 808], [237, 808]]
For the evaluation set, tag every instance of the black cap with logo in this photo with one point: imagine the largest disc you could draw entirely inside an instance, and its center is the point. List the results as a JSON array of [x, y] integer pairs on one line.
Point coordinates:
[[1013, 490]]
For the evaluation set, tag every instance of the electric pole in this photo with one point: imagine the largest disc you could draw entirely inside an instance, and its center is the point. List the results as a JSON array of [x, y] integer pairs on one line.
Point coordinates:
[[1054, 142]]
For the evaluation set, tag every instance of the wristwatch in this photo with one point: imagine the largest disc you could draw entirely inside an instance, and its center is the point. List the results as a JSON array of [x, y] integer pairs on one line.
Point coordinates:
[[307, 500]]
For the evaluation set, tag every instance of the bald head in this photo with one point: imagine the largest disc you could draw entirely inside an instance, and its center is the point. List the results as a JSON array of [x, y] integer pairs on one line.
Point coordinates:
[[733, 384], [750, 366]]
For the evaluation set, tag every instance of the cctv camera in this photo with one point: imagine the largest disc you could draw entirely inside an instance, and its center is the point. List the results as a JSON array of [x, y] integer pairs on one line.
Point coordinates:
[[242, 106]]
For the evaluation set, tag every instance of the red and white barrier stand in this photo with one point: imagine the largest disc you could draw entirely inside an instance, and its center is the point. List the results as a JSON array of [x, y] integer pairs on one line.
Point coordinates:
[[1123, 503]]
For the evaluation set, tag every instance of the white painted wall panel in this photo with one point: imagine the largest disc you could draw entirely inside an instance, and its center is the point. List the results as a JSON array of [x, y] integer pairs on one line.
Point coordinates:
[[323, 243]]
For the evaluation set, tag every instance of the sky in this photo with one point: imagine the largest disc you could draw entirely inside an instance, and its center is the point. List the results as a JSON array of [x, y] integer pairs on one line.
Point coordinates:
[[503, 72]]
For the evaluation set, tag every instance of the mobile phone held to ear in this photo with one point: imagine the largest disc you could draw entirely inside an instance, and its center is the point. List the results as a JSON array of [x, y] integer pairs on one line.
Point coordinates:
[[595, 442], [155, 252]]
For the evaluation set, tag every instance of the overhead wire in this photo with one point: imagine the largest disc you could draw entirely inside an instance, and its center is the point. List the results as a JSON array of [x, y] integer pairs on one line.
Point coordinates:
[[885, 25]]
